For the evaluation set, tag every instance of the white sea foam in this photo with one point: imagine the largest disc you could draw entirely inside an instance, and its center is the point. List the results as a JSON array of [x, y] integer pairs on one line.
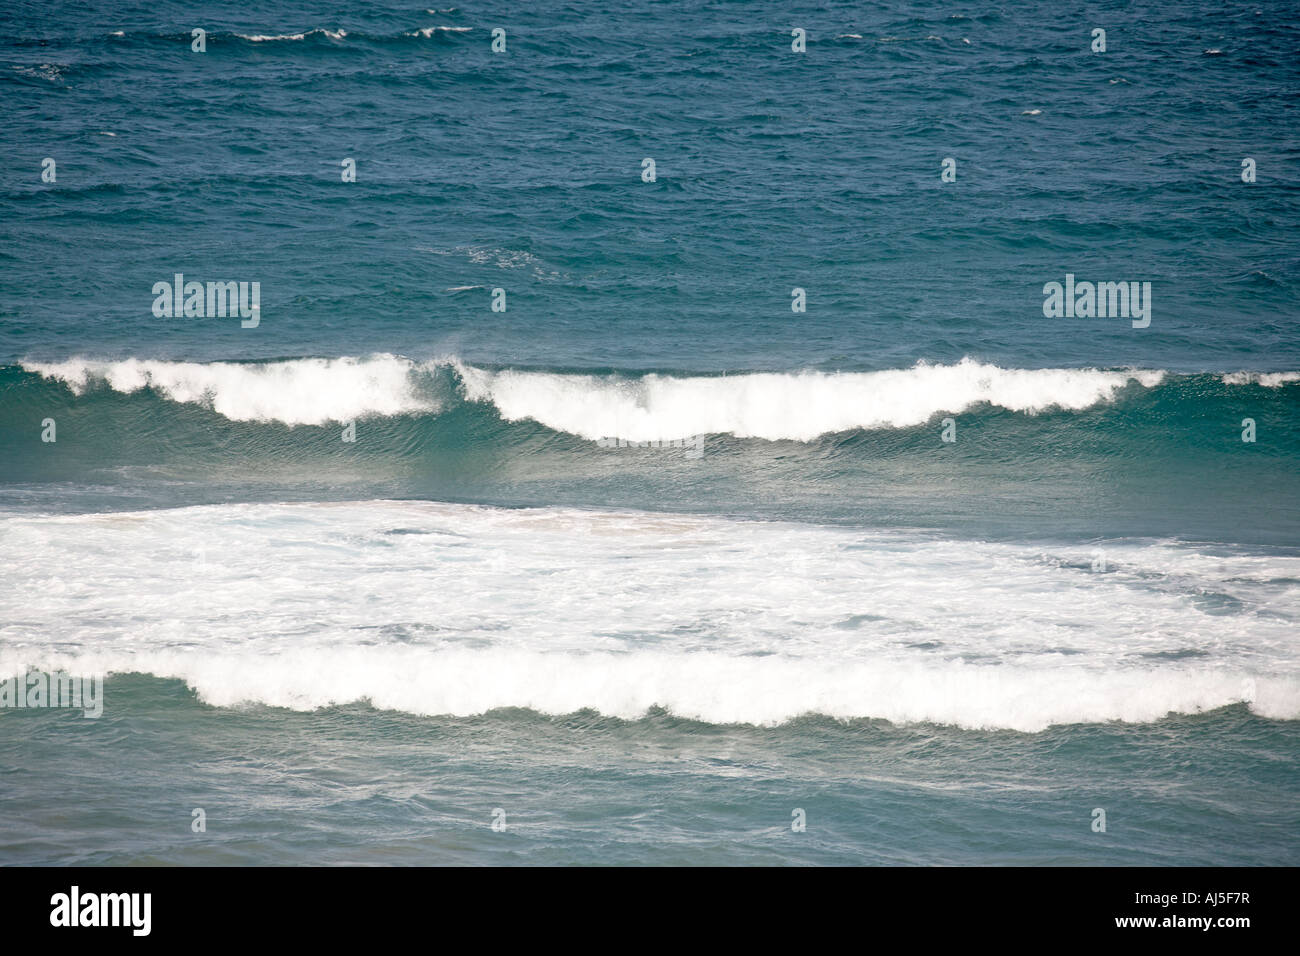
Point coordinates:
[[707, 687], [427, 32], [1267, 379], [455, 609], [297, 392], [263, 38], [798, 406]]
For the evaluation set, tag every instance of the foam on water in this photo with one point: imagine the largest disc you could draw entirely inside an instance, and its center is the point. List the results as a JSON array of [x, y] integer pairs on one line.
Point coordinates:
[[263, 38], [1267, 379], [799, 406], [794, 405], [450, 609], [297, 392]]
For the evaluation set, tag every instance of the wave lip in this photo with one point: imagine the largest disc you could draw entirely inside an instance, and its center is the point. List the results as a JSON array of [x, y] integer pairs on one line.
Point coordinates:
[[708, 687], [797, 406], [297, 392], [1266, 379], [793, 406]]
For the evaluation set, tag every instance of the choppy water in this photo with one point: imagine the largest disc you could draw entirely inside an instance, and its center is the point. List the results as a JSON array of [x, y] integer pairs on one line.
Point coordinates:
[[649, 560]]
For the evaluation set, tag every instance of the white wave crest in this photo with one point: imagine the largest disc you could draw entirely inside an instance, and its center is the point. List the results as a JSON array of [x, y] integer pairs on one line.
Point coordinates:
[[1267, 379], [264, 38], [427, 32], [798, 406], [713, 688], [297, 392]]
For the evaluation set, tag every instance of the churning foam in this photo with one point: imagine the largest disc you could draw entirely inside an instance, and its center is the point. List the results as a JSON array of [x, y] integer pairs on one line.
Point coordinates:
[[1267, 379], [798, 406], [455, 609], [296, 392]]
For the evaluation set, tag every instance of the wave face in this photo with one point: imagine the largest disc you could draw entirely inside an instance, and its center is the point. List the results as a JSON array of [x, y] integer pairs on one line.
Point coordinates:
[[458, 610], [799, 406], [969, 447]]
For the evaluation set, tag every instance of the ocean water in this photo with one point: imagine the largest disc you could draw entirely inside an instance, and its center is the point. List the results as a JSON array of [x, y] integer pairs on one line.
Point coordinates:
[[649, 567]]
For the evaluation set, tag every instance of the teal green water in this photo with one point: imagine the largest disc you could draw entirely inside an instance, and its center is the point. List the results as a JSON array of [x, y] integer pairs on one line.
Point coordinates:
[[946, 573], [356, 786]]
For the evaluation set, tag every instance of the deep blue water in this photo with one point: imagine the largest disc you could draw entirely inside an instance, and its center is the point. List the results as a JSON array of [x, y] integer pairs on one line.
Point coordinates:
[[946, 651]]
